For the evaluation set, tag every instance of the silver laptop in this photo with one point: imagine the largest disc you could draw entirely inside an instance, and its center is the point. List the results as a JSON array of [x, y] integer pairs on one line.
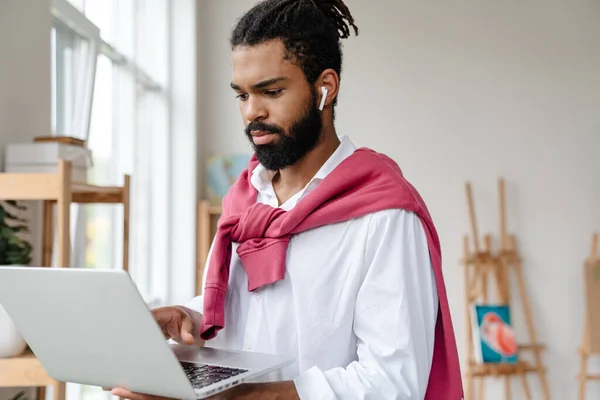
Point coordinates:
[[92, 327]]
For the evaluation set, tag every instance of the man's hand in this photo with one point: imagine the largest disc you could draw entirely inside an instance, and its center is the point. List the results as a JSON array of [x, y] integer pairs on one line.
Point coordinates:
[[179, 323], [126, 394], [249, 391]]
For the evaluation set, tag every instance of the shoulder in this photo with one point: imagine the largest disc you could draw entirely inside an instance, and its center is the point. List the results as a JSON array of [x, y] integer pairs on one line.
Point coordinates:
[[395, 237], [394, 219], [383, 169]]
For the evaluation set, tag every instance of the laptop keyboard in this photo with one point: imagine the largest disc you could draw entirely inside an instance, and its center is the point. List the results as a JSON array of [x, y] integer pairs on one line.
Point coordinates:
[[202, 375]]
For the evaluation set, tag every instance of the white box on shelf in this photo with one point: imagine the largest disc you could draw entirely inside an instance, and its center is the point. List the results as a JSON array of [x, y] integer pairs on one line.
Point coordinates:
[[43, 157]]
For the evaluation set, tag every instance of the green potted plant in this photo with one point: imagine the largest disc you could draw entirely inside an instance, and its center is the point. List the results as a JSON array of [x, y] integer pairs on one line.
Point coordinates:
[[14, 250]]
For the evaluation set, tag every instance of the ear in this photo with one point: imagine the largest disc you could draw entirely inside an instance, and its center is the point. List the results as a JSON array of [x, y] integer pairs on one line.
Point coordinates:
[[329, 80]]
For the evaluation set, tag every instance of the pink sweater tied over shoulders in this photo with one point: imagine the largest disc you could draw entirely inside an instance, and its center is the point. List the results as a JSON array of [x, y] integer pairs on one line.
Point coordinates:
[[365, 182]]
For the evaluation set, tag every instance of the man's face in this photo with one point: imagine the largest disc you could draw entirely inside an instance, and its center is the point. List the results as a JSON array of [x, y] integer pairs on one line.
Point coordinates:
[[278, 106]]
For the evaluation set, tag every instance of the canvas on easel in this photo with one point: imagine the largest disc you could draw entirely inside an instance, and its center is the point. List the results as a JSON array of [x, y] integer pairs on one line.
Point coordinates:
[[591, 332], [495, 336]]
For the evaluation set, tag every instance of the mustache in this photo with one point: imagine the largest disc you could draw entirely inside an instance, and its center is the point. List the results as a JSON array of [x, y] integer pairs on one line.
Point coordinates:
[[261, 126]]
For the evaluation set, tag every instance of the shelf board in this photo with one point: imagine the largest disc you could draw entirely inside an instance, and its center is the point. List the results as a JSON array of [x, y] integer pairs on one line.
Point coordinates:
[[479, 370], [532, 347], [21, 186], [46, 186], [23, 371], [87, 193]]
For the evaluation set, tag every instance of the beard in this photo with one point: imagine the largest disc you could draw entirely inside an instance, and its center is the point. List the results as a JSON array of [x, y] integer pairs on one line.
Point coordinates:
[[289, 147]]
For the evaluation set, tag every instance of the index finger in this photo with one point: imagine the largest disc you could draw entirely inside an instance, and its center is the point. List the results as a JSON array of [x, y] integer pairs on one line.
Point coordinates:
[[187, 330]]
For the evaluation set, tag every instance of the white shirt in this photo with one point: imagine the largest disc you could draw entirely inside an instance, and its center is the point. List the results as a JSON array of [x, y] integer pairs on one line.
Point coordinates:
[[357, 308]]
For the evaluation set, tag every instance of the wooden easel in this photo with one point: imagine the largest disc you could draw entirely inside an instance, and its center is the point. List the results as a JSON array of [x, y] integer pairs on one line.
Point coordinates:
[[591, 339], [480, 266]]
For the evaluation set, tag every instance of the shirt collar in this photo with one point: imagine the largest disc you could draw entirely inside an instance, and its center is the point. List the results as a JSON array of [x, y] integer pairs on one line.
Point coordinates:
[[261, 177]]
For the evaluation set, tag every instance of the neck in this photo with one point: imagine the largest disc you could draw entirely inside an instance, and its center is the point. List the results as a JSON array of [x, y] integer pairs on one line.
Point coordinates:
[[292, 179]]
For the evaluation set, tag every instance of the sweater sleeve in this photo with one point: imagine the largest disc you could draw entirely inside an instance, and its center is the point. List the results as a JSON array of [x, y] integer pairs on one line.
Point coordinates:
[[394, 319]]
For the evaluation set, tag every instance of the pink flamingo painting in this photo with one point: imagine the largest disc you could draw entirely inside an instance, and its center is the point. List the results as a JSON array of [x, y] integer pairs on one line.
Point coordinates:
[[498, 335]]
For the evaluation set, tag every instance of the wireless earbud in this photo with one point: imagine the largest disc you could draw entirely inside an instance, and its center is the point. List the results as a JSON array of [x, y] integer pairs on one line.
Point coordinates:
[[323, 97]]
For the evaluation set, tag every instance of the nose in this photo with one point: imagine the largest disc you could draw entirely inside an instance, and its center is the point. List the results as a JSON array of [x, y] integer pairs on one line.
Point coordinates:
[[254, 109]]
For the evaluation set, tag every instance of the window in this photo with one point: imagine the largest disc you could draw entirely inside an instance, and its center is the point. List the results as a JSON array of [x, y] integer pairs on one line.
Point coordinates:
[[74, 46], [110, 72]]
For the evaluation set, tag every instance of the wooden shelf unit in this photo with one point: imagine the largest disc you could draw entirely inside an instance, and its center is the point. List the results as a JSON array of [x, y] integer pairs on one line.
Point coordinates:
[[60, 191]]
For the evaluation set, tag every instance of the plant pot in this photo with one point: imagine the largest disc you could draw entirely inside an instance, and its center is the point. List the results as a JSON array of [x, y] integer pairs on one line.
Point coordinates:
[[11, 342]]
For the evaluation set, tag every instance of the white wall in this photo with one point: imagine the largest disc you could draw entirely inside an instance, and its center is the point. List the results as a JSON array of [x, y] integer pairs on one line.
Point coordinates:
[[25, 82], [24, 70], [470, 90], [24, 79]]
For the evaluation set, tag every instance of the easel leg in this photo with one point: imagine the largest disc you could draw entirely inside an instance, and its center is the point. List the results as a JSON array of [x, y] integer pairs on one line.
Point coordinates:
[[542, 374], [585, 347], [583, 374], [529, 319], [507, 387], [525, 385], [469, 387], [503, 277], [481, 388], [584, 361], [470, 384]]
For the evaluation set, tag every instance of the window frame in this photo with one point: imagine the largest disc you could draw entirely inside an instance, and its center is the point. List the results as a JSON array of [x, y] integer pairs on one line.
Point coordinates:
[[70, 17]]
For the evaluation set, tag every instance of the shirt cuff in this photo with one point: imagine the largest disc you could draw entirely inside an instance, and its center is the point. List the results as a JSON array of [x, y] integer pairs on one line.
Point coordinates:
[[313, 385]]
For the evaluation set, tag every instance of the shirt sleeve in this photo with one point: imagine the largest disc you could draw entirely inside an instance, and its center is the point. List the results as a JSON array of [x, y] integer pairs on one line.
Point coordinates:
[[394, 321]]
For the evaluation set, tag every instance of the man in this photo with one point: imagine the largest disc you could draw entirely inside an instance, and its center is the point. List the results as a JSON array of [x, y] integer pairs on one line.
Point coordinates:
[[324, 252]]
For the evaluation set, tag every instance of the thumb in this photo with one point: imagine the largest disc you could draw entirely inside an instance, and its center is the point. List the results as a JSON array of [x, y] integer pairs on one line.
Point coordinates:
[[188, 335]]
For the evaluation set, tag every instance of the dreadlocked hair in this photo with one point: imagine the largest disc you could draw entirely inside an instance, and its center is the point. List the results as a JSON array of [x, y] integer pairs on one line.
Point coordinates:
[[311, 32]]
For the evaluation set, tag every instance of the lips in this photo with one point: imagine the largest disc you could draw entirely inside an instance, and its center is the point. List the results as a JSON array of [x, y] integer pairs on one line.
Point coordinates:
[[262, 137]]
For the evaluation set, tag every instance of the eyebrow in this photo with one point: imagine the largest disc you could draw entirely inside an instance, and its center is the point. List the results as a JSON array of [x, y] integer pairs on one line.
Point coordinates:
[[260, 85]]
